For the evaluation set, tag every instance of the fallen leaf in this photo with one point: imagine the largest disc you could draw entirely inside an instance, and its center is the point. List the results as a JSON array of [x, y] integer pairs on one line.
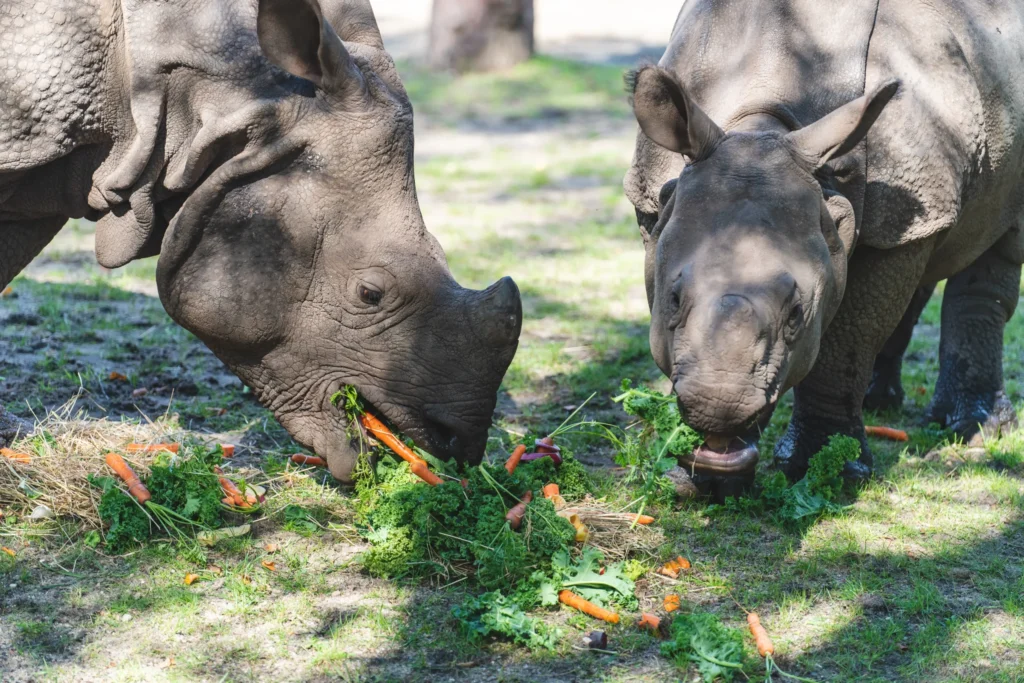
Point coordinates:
[[117, 377], [271, 547], [8, 550], [269, 566], [140, 392], [191, 578]]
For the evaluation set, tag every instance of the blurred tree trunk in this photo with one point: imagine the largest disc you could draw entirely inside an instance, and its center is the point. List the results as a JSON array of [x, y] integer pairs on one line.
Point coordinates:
[[480, 35]]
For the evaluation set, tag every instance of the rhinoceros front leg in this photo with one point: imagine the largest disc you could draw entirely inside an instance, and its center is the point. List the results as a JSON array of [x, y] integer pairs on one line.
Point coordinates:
[[886, 389], [976, 306], [828, 401]]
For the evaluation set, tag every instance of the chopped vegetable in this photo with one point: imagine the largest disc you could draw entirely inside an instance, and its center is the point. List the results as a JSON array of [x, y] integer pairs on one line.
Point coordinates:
[[312, 460], [269, 566], [23, 458], [649, 621], [420, 469], [672, 568], [513, 460], [271, 547], [764, 644], [671, 603], [227, 450], [551, 492], [514, 516], [237, 499], [886, 433], [567, 597], [191, 578], [121, 468], [8, 550], [642, 519], [117, 377], [152, 447]]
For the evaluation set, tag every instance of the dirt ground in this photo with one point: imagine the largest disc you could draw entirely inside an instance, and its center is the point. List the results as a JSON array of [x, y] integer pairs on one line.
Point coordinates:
[[518, 173]]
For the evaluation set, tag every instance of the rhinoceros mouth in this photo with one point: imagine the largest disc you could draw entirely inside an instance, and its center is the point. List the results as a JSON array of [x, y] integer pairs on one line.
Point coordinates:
[[723, 455]]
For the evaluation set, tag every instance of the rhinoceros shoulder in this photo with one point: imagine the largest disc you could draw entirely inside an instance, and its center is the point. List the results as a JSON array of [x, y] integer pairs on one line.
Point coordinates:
[[947, 154]]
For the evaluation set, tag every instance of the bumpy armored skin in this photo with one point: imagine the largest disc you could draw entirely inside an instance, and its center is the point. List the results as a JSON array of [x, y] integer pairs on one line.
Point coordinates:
[[906, 121], [264, 149]]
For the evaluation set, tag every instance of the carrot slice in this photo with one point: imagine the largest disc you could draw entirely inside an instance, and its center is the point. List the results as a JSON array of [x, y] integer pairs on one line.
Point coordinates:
[[886, 433], [513, 460], [23, 458], [573, 600], [672, 568], [152, 447], [671, 603], [761, 639], [227, 450], [121, 468], [551, 492], [302, 459], [649, 621], [380, 430]]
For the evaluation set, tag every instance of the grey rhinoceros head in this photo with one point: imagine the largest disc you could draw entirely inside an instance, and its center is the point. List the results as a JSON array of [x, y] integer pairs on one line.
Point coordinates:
[[746, 260], [302, 260]]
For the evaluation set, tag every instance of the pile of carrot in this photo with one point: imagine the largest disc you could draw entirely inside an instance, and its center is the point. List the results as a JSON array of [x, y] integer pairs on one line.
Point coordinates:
[[417, 465], [232, 495], [672, 568]]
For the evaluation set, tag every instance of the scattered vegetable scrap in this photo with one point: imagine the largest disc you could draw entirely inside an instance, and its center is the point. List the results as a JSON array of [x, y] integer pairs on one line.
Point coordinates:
[[551, 492], [117, 377], [271, 547], [227, 450], [7, 291], [269, 566], [765, 648], [641, 519], [886, 433], [567, 597], [513, 460], [652, 623], [121, 468], [514, 516], [311, 460], [23, 458], [140, 392], [416, 464], [671, 603], [8, 551], [191, 578], [152, 447], [673, 568]]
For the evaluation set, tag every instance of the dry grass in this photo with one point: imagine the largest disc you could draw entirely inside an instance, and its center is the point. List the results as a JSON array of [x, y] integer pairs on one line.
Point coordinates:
[[66, 447]]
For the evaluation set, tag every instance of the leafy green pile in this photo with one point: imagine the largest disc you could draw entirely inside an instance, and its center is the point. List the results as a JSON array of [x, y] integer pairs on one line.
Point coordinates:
[[664, 438], [185, 488], [700, 638], [813, 496], [493, 614], [419, 530]]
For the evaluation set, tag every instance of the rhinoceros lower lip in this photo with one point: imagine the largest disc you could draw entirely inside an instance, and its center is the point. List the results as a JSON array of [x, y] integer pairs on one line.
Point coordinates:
[[723, 455]]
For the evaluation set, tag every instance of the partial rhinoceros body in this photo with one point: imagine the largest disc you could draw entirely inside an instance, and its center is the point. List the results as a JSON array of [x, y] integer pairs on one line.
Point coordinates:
[[842, 155], [264, 150]]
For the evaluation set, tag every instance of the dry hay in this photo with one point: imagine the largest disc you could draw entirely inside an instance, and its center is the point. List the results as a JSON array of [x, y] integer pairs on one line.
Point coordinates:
[[614, 533], [64, 449]]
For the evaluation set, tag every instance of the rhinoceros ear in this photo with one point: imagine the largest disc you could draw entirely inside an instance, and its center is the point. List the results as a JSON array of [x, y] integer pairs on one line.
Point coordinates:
[[838, 133], [295, 36], [668, 116]]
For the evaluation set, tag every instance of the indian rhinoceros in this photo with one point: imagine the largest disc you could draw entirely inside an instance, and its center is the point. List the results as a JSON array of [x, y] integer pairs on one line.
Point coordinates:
[[264, 148], [803, 168]]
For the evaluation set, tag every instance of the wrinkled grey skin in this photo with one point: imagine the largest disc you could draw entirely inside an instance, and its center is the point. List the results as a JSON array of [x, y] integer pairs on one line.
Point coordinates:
[[803, 168], [264, 149]]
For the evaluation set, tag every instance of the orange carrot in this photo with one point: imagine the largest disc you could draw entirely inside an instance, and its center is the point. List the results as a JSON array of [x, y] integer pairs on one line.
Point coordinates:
[[269, 566], [513, 460], [420, 469], [886, 433], [151, 447], [641, 519], [672, 568], [514, 516], [23, 458], [117, 377], [671, 603], [7, 291], [191, 578], [301, 459], [7, 550], [569, 598], [227, 500], [761, 639], [237, 499], [121, 468], [380, 430], [227, 450], [551, 493], [649, 621]]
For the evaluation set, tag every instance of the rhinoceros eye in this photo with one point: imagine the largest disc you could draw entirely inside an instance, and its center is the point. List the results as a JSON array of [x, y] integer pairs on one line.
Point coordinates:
[[369, 296]]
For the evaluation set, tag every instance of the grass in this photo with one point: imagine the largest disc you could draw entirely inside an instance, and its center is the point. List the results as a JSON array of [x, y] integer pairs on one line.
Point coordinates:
[[921, 579]]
